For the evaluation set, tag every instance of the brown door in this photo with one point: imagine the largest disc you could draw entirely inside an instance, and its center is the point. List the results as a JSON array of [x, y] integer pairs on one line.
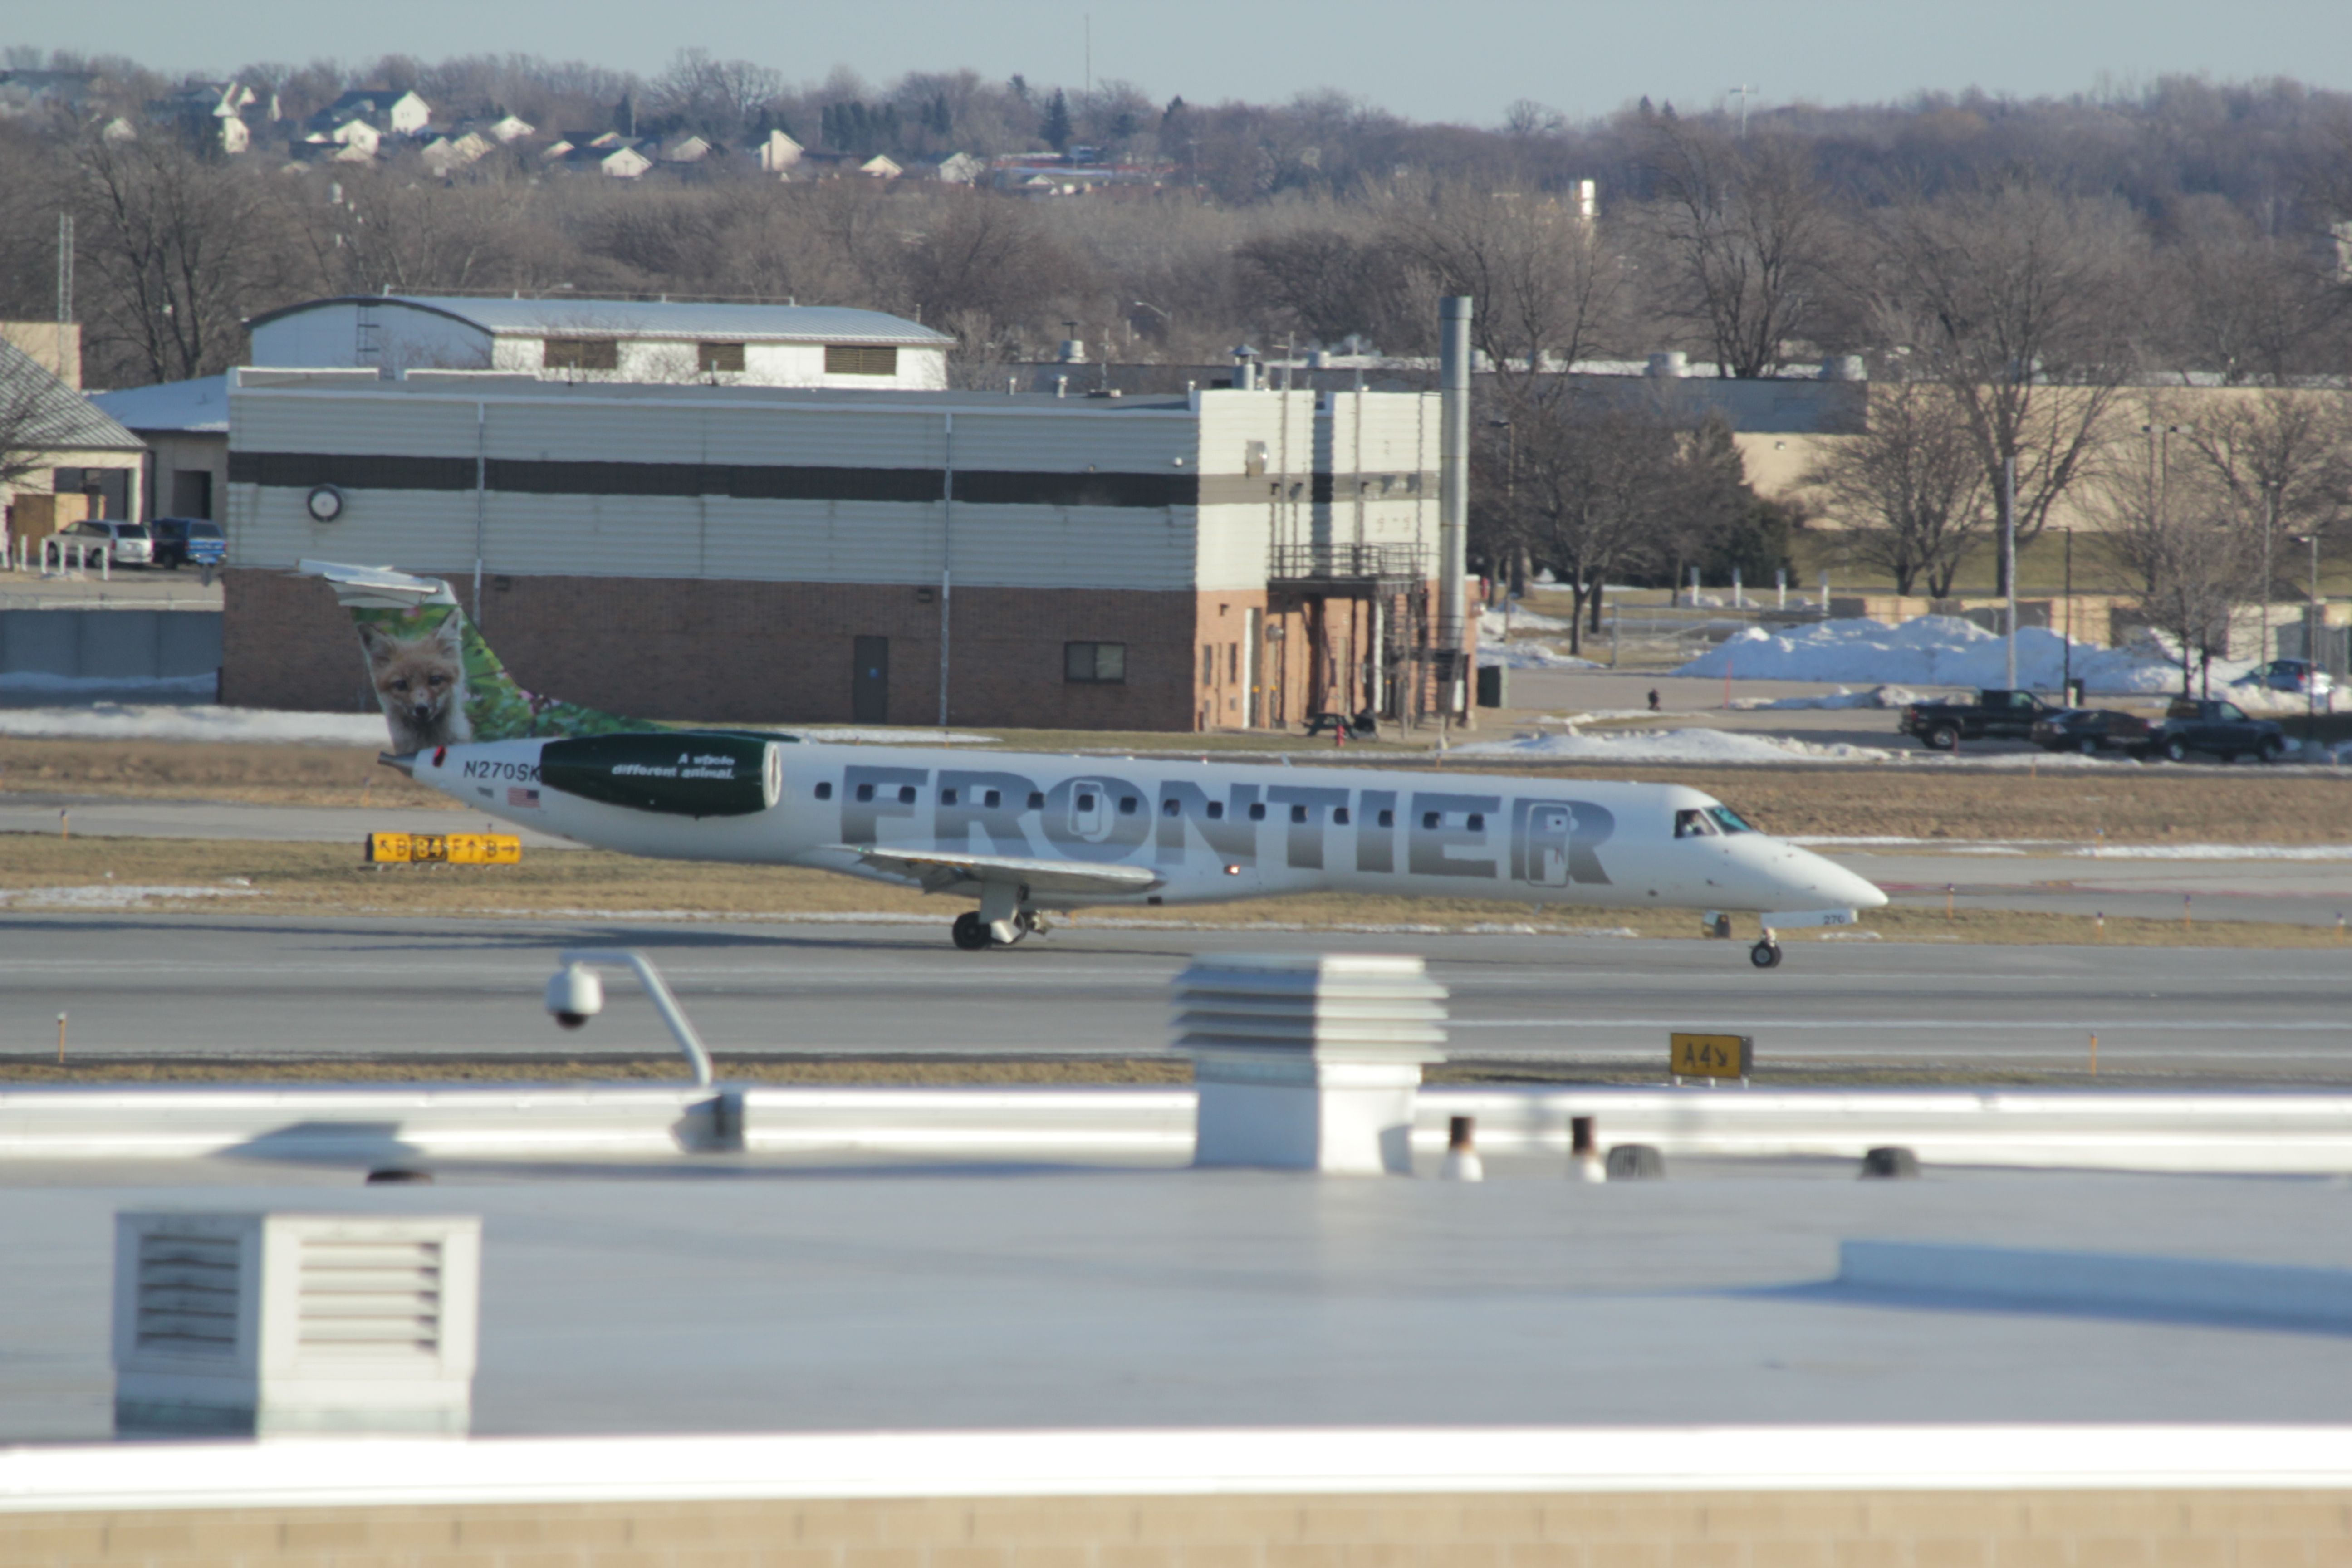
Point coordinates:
[[870, 684]]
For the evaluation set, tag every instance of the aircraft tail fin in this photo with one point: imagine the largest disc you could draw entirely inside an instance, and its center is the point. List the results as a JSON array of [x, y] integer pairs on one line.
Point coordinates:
[[439, 681]]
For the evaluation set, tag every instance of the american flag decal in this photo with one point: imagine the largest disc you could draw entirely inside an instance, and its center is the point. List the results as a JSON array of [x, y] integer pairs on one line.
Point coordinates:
[[517, 796]]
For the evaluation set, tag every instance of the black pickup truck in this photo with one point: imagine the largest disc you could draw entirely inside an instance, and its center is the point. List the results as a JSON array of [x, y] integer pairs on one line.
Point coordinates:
[[1993, 716], [2221, 728]]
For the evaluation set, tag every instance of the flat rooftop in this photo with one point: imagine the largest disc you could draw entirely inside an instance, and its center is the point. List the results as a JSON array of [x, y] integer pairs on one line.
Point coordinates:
[[721, 1296]]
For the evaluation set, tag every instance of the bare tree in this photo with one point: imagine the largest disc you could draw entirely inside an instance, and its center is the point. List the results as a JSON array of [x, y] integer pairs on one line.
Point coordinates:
[[1909, 489], [1544, 292], [1743, 230], [2245, 306], [1597, 483], [37, 415], [2282, 460], [177, 251], [2016, 301]]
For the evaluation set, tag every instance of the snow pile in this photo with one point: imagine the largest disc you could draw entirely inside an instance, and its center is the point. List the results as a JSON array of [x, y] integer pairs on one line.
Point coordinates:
[[1670, 746], [150, 721], [1493, 622], [1876, 697], [1939, 650], [1529, 656]]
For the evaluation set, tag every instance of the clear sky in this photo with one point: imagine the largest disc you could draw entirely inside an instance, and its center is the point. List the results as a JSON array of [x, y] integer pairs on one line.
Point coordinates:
[[1456, 60]]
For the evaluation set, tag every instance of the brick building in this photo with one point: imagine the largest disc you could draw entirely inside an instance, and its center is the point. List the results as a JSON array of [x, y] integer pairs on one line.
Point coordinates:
[[1215, 559]]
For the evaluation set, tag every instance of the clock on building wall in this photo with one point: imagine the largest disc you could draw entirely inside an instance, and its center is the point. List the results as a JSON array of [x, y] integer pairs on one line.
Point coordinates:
[[326, 503]]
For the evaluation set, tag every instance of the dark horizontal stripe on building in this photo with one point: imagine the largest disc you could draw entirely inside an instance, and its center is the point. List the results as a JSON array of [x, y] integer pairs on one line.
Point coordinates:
[[740, 481]]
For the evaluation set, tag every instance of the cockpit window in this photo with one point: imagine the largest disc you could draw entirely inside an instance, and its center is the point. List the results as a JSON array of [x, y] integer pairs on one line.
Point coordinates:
[[1729, 820], [1692, 825]]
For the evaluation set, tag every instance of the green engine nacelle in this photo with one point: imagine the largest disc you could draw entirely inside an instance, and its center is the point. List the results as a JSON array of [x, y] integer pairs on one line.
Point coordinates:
[[680, 772]]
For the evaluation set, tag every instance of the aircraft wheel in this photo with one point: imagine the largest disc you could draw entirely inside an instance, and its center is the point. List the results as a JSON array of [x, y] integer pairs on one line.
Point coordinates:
[[1765, 954], [971, 932], [2088, 745]]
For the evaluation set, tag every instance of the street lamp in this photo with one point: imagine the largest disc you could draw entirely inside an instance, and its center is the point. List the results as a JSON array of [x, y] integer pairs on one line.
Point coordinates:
[[2269, 522]]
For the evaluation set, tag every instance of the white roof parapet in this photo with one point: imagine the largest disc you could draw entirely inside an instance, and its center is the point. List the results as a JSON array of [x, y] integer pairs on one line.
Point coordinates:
[[592, 318], [360, 1472]]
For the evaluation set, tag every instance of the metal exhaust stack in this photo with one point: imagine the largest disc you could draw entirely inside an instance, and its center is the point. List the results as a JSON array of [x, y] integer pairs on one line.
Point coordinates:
[[1453, 499]]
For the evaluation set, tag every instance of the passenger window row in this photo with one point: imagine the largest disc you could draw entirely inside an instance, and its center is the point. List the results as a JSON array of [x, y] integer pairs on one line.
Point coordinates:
[[1128, 806]]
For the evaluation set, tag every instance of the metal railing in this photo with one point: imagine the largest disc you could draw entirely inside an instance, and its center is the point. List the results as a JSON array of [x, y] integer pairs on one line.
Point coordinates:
[[1347, 563]]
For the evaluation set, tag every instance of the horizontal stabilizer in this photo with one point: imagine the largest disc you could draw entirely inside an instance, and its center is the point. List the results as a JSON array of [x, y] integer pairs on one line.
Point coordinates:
[[378, 587], [938, 870]]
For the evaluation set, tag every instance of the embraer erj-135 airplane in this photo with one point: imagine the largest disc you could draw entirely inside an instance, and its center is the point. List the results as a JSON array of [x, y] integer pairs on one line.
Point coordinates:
[[1027, 834]]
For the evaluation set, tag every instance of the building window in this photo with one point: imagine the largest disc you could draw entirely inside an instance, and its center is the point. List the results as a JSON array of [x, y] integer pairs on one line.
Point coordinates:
[[581, 353], [1095, 662], [711, 357], [852, 359], [1209, 665]]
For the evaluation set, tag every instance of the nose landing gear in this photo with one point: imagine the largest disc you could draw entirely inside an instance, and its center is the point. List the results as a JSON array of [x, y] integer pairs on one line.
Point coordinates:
[[1765, 953]]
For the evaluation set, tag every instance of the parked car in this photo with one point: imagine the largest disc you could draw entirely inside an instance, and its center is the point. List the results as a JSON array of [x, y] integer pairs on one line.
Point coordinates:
[[188, 540], [129, 543], [2093, 730], [1993, 716], [2297, 675], [2221, 728]]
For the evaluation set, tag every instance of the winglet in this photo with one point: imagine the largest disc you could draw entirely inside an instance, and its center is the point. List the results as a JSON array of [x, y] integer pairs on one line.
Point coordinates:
[[378, 587]]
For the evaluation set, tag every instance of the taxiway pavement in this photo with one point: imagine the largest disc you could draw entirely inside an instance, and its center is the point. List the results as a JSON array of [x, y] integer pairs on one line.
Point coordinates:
[[226, 985]]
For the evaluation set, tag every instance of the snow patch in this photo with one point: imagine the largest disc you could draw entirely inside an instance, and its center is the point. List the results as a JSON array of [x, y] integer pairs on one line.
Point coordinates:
[[883, 737], [152, 721], [111, 895], [1529, 656], [1672, 746], [1876, 697], [34, 681]]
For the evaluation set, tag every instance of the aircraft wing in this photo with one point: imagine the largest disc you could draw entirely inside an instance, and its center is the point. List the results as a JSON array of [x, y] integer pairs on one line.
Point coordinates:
[[938, 870]]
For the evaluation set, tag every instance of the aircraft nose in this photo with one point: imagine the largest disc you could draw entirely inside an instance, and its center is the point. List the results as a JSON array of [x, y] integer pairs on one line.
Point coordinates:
[[1831, 883], [1848, 887]]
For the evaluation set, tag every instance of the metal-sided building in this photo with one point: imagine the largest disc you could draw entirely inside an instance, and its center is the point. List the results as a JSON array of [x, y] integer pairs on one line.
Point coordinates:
[[1220, 559], [716, 343]]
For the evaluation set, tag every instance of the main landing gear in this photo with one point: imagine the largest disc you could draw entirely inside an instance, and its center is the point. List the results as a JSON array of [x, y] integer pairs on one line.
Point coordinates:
[[974, 934]]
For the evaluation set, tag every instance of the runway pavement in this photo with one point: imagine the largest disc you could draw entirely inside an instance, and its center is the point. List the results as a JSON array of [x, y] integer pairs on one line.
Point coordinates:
[[228, 985]]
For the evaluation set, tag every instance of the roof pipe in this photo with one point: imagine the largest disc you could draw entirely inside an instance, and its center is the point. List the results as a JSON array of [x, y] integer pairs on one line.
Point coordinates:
[[1453, 496]]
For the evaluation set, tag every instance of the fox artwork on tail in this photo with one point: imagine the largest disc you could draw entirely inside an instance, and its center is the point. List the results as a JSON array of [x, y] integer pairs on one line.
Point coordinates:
[[440, 685]]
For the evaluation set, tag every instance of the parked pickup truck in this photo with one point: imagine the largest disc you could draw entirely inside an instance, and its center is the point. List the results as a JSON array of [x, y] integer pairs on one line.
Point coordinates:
[[1993, 716], [2221, 728]]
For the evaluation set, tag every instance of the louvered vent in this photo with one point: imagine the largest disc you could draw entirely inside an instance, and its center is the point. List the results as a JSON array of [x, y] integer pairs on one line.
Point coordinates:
[[188, 1295], [370, 1298]]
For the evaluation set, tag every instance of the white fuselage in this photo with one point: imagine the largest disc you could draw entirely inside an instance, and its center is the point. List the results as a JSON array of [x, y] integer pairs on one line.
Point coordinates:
[[1208, 831]]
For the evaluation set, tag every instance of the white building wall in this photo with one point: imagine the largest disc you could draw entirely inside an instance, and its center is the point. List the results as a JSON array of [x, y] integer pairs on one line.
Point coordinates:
[[1243, 515]]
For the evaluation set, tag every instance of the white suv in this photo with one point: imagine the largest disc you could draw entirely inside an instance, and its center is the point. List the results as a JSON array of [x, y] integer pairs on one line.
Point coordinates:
[[128, 543]]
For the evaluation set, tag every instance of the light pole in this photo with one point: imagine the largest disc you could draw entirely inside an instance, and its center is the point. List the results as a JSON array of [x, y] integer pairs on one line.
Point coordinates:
[[2311, 619], [1510, 507], [2270, 523], [1167, 318], [2160, 470], [2066, 680]]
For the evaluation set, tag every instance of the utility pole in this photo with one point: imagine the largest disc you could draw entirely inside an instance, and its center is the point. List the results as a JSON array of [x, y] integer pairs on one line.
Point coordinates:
[[2066, 681], [2008, 558], [1745, 94]]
